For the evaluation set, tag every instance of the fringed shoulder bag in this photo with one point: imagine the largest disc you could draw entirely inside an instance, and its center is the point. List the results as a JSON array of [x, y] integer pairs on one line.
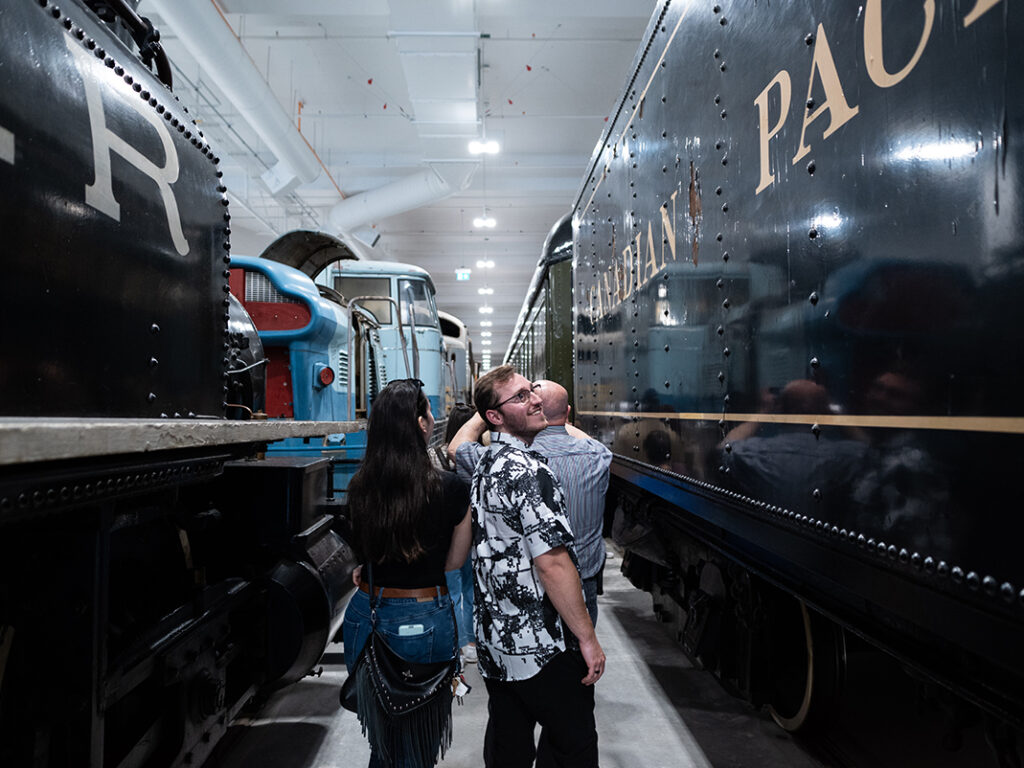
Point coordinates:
[[404, 707]]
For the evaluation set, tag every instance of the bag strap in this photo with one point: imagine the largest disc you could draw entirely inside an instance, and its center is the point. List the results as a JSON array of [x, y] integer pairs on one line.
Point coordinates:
[[374, 600]]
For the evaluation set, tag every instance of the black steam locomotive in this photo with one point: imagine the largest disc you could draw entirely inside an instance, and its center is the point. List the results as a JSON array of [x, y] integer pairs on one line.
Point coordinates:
[[155, 573], [797, 278]]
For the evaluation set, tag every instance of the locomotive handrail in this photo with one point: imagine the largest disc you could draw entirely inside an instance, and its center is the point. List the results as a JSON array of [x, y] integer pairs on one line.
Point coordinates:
[[450, 366], [412, 334], [351, 341], [368, 317]]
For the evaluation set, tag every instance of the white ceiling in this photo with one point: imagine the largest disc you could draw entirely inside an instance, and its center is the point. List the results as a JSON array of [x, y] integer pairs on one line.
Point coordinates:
[[389, 88]]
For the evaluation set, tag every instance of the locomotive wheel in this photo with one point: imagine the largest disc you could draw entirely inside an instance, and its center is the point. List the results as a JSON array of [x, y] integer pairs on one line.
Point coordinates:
[[808, 666]]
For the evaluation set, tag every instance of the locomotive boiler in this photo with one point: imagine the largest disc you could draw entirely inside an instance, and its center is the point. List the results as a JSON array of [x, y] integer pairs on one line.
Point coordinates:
[[155, 573], [796, 278]]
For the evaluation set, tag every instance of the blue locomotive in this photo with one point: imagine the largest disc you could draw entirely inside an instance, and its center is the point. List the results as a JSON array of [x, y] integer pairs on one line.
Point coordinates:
[[333, 340], [795, 302], [156, 574]]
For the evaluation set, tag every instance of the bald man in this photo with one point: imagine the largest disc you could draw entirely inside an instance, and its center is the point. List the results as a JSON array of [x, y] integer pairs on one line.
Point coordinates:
[[581, 465]]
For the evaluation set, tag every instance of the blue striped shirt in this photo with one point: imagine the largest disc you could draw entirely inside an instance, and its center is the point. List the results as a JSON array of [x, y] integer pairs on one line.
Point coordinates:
[[582, 467]]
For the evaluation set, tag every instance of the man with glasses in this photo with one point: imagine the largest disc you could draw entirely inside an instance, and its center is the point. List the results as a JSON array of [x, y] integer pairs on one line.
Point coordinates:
[[536, 645], [582, 466]]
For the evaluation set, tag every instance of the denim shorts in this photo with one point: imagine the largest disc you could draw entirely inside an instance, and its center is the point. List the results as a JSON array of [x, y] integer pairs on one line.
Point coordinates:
[[418, 630]]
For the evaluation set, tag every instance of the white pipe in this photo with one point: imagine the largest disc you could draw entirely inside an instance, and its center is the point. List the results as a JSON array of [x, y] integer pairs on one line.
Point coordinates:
[[420, 188], [211, 42]]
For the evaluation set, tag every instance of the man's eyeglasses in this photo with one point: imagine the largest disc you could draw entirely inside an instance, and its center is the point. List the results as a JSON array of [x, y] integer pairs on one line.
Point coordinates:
[[519, 397]]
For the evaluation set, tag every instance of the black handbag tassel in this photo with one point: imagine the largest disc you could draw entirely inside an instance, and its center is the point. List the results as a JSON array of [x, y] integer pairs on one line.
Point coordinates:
[[404, 708]]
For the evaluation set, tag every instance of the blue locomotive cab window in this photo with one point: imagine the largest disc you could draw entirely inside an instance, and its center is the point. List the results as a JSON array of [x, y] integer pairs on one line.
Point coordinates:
[[417, 303], [351, 287]]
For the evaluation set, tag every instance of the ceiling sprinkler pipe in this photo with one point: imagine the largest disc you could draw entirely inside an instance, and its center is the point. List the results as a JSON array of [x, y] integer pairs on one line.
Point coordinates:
[[209, 39]]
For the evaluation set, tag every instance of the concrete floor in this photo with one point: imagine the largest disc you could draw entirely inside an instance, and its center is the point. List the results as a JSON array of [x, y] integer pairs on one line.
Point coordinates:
[[654, 710]]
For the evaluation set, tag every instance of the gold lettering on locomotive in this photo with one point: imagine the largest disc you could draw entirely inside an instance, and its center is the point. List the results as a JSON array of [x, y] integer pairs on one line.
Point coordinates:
[[100, 194], [979, 8], [634, 266], [873, 44], [652, 257], [627, 277], [667, 227], [835, 100], [764, 132]]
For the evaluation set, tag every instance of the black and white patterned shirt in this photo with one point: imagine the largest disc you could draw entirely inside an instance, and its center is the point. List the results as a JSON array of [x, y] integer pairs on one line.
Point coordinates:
[[518, 513]]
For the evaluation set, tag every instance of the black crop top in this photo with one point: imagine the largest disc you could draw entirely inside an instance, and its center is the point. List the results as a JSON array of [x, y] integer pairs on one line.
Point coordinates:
[[448, 510]]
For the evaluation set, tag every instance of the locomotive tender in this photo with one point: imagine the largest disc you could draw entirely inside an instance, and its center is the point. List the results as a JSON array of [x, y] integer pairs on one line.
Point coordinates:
[[155, 573], [797, 321]]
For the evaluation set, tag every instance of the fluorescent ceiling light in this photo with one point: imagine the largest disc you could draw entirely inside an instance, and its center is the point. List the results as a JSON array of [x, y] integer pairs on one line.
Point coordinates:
[[486, 323], [485, 291], [486, 342], [485, 264], [486, 310], [485, 334], [477, 147], [481, 222]]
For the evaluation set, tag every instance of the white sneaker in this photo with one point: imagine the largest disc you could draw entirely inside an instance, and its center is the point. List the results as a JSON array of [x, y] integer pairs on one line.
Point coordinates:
[[469, 654]]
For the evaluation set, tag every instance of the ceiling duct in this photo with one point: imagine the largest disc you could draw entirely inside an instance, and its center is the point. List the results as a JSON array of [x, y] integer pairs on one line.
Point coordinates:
[[426, 186], [437, 45], [212, 43]]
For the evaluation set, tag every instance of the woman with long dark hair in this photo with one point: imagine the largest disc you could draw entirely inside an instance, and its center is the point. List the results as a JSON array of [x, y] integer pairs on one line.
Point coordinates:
[[410, 523]]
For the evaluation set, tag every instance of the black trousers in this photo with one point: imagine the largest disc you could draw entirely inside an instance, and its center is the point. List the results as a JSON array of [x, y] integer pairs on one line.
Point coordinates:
[[557, 700]]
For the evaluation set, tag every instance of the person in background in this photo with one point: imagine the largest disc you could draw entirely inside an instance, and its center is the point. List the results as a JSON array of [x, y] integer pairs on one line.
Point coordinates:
[[410, 523], [581, 465], [538, 653], [460, 580]]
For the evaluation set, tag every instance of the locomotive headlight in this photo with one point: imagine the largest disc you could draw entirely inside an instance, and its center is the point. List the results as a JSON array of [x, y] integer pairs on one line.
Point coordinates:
[[323, 375]]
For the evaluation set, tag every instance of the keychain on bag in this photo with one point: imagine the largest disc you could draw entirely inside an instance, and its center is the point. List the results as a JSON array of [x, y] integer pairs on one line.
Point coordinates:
[[460, 687]]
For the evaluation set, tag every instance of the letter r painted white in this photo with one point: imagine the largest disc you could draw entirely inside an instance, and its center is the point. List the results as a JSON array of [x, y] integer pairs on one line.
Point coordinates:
[[100, 194]]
